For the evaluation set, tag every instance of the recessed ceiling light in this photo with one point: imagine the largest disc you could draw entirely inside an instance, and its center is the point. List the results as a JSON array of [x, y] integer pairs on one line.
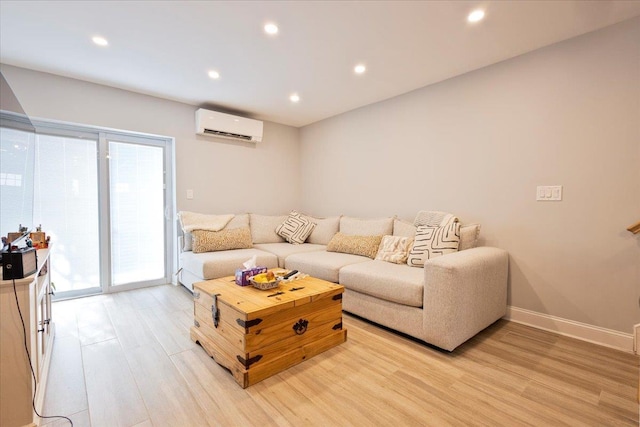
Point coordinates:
[[100, 41], [476, 15], [214, 74], [359, 69], [271, 28], [294, 97]]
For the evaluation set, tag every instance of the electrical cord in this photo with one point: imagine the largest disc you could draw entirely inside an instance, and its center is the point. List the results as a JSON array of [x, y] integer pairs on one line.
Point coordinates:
[[26, 349]]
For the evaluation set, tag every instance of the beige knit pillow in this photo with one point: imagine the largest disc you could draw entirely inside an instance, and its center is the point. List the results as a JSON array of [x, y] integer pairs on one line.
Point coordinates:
[[211, 241], [355, 245]]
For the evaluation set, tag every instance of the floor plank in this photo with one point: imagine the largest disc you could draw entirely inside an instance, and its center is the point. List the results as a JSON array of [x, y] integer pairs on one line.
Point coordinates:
[[65, 393], [114, 399]]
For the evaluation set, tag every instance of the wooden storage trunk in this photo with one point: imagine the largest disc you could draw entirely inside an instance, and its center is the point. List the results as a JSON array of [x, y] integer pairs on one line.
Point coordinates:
[[256, 334]]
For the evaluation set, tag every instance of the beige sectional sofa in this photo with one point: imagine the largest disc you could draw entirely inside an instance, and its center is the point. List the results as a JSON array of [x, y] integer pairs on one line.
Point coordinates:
[[445, 303]]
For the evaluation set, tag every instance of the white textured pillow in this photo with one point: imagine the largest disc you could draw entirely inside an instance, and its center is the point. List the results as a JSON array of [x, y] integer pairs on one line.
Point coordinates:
[[366, 227], [431, 242], [469, 236], [394, 249], [263, 228], [296, 228], [325, 229], [403, 228]]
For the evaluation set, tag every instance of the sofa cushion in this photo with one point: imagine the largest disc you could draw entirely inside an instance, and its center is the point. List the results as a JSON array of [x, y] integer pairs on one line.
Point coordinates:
[[213, 265], [322, 264], [355, 245], [397, 283], [469, 236], [263, 228], [296, 228], [434, 241], [283, 250], [403, 228], [394, 249], [239, 221], [325, 229], [366, 227], [210, 241]]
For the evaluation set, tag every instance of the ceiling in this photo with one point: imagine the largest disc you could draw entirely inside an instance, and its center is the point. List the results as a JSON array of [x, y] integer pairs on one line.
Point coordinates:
[[166, 48]]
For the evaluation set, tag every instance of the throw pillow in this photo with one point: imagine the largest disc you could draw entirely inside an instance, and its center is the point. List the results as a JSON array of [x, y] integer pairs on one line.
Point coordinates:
[[434, 241], [394, 249], [211, 241], [296, 228], [238, 221], [355, 245]]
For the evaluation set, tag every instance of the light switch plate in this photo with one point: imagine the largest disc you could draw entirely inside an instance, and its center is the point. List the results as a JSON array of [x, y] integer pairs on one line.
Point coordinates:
[[549, 193]]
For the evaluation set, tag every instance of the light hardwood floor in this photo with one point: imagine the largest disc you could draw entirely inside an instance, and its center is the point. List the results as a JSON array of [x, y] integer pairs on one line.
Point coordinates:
[[126, 359]]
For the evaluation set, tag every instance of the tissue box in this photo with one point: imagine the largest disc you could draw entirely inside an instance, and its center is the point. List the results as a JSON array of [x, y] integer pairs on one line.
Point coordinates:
[[242, 275]]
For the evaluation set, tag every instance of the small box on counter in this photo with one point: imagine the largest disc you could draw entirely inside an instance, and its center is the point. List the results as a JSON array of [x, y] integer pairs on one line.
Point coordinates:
[[243, 274]]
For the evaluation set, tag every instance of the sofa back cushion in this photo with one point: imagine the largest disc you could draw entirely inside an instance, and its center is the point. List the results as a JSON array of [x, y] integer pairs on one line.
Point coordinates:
[[263, 228], [325, 229], [239, 221], [366, 227], [225, 239], [469, 236], [403, 228]]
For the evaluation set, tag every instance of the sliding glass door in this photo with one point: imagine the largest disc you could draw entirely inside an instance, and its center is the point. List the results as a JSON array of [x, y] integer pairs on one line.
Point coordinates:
[[66, 205], [104, 198], [137, 212]]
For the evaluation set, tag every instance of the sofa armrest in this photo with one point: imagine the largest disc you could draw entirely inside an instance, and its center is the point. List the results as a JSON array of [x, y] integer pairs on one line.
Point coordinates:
[[464, 292]]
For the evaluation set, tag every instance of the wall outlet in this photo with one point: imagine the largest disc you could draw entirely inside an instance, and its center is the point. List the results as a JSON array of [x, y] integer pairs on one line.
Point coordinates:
[[189, 194], [549, 193]]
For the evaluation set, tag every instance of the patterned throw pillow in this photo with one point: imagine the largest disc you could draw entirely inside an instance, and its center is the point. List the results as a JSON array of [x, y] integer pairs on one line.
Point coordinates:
[[434, 241], [394, 249], [355, 245], [296, 228], [211, 241]]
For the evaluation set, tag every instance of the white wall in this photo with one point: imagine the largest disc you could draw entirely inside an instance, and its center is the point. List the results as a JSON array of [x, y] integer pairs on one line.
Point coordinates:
[[478, 145], [226, 176]]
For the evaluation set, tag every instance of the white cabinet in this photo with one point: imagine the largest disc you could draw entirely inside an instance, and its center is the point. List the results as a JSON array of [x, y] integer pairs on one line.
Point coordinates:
[[33, 294]]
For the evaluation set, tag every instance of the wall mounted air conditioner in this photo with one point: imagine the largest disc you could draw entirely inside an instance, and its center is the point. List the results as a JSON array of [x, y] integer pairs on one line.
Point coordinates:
[[228, 126]]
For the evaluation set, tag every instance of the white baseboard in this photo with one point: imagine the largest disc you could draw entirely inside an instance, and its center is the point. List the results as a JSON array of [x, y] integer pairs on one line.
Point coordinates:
[[571, 328]]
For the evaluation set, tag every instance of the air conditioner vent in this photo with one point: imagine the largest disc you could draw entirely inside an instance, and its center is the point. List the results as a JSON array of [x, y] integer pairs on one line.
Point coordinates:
[[227, 134]]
